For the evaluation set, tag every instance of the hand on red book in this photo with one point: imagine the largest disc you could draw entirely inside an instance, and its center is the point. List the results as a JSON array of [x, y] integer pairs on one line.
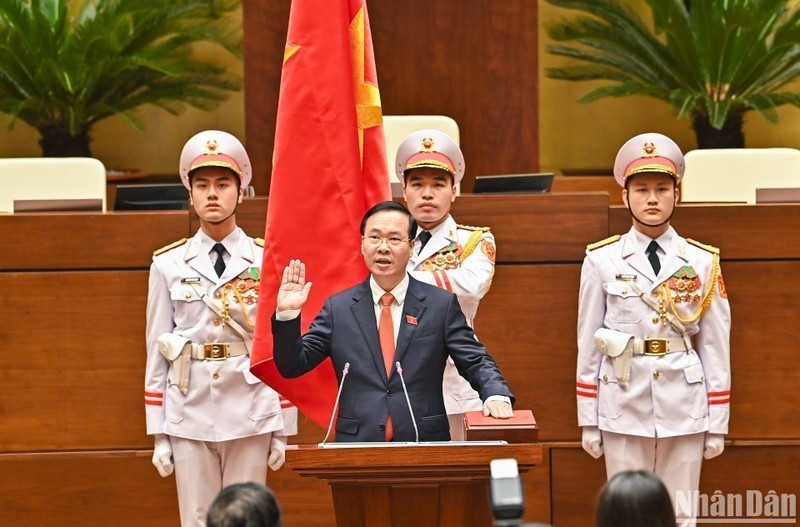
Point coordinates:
[[498, 409]]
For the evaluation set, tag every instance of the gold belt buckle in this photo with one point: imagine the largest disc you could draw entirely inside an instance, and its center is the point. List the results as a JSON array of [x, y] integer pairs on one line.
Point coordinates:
[[655, 347], [216, 351]]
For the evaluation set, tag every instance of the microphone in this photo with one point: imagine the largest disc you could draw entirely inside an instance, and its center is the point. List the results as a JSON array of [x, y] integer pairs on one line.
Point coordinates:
[[405, 391], [345, 371]]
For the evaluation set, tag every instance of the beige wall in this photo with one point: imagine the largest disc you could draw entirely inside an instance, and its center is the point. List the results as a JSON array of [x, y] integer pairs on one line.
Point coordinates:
[[579, 136]]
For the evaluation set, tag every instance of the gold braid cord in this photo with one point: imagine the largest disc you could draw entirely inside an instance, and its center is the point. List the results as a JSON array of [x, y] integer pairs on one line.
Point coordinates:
[[469, 248], [472, 242], [664, 291], [225, 302]]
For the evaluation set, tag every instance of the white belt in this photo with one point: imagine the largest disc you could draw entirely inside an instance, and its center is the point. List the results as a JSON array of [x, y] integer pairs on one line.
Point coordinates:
[[657, 347], [218, 350]]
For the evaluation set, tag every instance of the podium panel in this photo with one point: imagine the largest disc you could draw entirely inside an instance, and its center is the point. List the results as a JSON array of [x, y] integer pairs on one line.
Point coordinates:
[[426, 485]]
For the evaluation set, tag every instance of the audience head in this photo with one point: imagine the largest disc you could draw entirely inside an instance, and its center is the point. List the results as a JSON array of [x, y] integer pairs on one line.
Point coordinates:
[[635, 499], [244, 505]]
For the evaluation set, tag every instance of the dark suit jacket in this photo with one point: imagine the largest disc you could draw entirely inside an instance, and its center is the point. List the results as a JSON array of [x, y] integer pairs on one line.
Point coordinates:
[[346, 331]]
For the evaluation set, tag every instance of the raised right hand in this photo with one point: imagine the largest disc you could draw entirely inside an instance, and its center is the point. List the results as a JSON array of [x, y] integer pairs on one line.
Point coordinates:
[[293, 292]]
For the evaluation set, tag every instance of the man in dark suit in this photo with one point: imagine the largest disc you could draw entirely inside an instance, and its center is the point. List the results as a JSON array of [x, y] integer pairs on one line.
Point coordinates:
[[388, 318]]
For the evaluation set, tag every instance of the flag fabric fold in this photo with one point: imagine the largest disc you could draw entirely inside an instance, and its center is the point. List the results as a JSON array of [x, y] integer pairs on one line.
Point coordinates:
[[329, 167]]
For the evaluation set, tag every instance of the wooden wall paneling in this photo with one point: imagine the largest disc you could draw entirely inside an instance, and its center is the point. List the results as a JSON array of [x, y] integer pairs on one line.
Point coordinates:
[[265, 23], [740, 231], [607, 184], [86, 240], [527, 322], [764, 307], [537, 227], [76, 380], [577, 478], [529, 228], [475, 61], [116, 489]]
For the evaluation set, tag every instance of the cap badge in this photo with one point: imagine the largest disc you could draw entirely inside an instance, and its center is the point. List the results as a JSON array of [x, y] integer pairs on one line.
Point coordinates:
[[428, 145], [649, 150], [212, 147]]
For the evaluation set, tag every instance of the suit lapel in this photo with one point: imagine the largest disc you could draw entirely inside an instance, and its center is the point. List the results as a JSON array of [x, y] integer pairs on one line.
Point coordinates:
[[442, 237], [674, 260], [635, 258], [364, 312], [413, 307], [198, 261], [240, 260]]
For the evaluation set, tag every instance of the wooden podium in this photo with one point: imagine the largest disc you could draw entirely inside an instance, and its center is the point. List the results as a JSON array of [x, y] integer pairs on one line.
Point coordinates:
[[426, 485]]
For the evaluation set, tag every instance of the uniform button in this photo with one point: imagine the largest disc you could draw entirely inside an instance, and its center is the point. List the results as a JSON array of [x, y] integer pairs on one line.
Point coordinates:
[[656, 374], [605, 378], [188, 296], [624, 291], [216, 376], [389, 393], [216, 321], [382, 426], [655, 320], [217, 295]]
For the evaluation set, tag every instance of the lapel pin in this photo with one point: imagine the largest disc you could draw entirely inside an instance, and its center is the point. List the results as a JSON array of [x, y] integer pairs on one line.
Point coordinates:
[[412, 320]]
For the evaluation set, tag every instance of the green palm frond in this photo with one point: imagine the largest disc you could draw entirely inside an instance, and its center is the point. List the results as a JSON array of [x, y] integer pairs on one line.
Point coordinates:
[[715, 58], [71, 63]]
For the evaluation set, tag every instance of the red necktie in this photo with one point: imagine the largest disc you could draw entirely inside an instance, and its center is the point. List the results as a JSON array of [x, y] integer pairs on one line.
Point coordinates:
[[386, 337]]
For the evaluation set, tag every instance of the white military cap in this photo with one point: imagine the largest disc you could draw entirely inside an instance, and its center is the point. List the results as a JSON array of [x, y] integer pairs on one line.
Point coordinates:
[[649, 153], [429, 148], [213, 148]]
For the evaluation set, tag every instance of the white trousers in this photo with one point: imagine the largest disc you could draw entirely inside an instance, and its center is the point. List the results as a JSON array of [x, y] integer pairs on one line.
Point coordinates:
[[676, 460], [203, 468]]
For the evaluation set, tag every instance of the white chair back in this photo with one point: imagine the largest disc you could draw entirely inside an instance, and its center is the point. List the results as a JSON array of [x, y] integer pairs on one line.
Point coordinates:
[[734, 174], [51, 178]]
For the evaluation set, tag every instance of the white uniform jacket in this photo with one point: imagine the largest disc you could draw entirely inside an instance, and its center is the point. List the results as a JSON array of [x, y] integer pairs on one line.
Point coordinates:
[[459, 259], [674, 394], [224, 400]]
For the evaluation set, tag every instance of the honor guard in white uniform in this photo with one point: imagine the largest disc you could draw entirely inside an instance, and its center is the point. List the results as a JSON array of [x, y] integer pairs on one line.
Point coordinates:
[[653, 376], [214, 423], [458, 258]]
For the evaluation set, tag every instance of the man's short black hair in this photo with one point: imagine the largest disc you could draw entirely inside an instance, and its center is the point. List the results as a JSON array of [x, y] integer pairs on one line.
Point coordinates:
[[388, 206], [244, 505]]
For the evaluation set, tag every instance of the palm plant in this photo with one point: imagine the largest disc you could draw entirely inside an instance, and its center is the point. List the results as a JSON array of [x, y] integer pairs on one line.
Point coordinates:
[[67, 64], [711, 60]]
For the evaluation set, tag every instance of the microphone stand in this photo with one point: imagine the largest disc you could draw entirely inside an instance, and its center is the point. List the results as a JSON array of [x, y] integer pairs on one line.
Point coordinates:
[[345, 371], [408, 401]]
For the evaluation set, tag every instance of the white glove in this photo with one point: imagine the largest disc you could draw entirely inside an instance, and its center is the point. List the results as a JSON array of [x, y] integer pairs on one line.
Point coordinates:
[[715, 444], [592, 441], [162, 455], [277, 452]]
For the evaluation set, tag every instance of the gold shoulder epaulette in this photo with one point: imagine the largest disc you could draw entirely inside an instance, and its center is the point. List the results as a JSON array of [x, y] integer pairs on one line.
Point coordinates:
[[259, 241], [170, 246], [603, 243], [471, 228], [709, 248]]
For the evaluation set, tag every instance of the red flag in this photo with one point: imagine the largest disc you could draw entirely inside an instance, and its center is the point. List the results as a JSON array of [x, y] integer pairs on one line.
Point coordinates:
[[329, 168]]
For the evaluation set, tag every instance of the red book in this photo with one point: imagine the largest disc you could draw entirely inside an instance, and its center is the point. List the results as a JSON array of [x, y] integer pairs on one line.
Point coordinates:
[[521, 428]]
